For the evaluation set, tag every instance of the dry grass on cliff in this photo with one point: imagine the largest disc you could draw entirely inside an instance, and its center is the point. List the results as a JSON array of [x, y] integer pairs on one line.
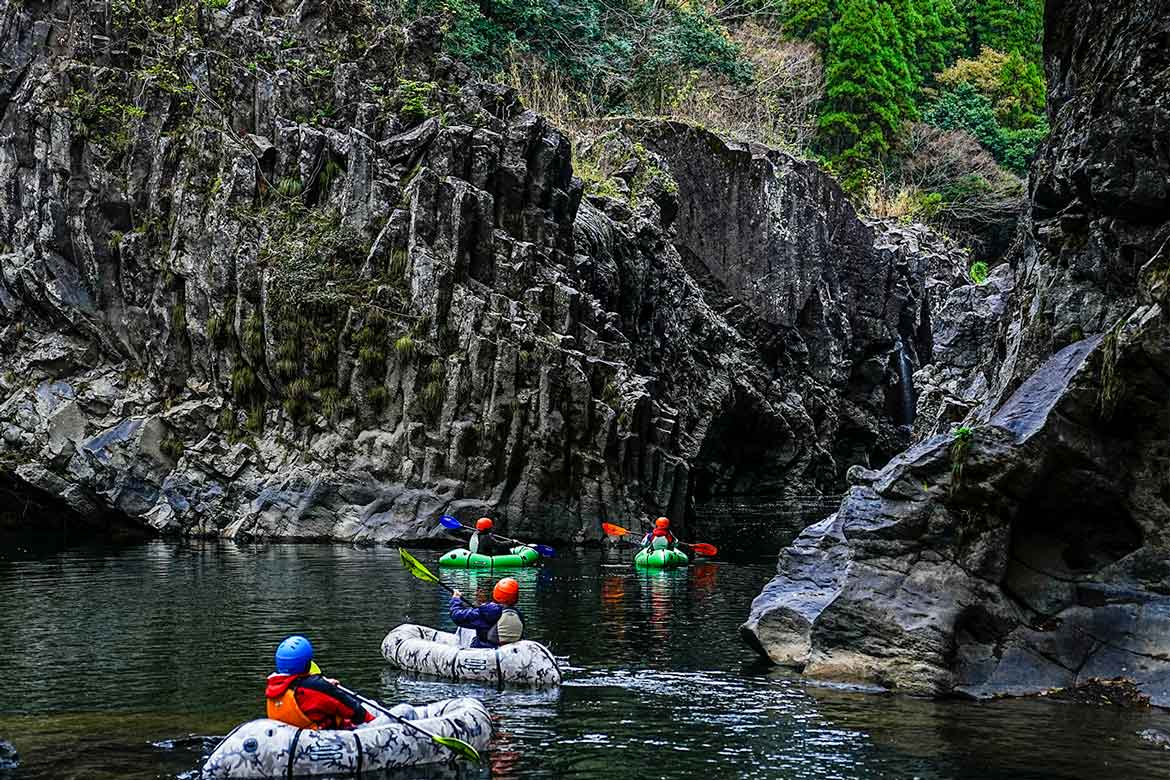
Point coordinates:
[[779, 108], [946, 178]]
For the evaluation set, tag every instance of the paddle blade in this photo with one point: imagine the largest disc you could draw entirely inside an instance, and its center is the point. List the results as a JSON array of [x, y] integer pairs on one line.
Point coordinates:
[[545, 550], [450, 522], [459, 746], [702, 548], [412, 565], [614, 530]]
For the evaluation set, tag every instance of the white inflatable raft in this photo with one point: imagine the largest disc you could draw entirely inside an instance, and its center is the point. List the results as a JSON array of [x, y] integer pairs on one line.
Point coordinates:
[[425, 650], [271, 749]]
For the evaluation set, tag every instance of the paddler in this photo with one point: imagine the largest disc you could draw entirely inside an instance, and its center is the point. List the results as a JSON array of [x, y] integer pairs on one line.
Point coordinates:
[[496, 623], [484, 542], [660, 538], [298, 694]]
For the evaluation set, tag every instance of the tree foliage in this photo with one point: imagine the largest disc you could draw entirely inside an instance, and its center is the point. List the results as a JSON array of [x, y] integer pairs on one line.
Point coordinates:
[[887, 59], [1014, 86], [1012, 26], [609, 51], [868, 84], [964, 108], [964, 73], [808, 20]]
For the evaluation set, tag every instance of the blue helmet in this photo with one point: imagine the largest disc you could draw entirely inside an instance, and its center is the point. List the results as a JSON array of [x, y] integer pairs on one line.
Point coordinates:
[[294, 655]]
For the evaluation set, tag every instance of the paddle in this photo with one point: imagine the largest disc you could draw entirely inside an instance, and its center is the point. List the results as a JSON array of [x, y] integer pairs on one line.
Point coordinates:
[[451, 743], [700, 548], [415, 567], [450, 522]]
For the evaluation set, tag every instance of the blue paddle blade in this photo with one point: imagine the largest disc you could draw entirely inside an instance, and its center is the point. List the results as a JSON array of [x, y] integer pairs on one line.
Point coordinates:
[[545, 550], [450, 522]]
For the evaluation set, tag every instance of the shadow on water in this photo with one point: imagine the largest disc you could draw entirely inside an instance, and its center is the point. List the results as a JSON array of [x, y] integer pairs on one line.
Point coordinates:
[[128, 662]]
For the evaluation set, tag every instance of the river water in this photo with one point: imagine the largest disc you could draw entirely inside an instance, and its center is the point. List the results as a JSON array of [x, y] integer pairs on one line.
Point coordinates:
[[129, 662]]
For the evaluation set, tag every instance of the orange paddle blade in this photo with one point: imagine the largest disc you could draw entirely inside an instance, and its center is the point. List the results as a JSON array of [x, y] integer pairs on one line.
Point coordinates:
[[702, 548], [614, 530]]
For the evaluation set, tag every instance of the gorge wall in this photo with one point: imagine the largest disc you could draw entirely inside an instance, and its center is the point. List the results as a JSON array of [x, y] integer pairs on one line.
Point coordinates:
[[1028, 549], [282, 270]]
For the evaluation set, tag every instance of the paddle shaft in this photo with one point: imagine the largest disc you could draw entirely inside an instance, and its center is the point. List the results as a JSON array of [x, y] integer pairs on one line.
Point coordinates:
[[381, 708], [678, 542], [451, 590], [501, 538]]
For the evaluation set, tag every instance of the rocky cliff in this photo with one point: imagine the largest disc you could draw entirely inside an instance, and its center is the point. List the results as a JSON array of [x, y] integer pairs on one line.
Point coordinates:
[[1029, 548], [282, 270]]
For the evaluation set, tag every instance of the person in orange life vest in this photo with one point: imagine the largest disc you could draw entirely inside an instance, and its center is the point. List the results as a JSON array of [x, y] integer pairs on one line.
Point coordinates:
[[298, 694], [484, 542], [496, 623], [660, 538]]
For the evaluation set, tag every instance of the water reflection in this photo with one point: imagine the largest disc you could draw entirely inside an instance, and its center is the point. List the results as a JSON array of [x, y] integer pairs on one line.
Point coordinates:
[[126, 663]]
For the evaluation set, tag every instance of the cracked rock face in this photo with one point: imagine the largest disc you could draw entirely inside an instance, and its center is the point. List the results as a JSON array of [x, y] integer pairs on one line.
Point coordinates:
[[292, 274], [1027, 550]]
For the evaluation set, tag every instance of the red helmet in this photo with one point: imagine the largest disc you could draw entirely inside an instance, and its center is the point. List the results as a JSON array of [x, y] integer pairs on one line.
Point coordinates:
[[506, 591], [483, 524], [662, 522]]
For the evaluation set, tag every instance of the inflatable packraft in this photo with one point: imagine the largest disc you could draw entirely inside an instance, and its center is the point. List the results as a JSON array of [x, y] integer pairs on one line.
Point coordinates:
[[428, 651], [269, 748], [463, 558], [660, 559]]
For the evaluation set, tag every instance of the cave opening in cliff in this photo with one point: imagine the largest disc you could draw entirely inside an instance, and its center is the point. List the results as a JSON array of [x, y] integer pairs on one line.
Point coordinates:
[[32, 518], [1073, 523], [742, 476]]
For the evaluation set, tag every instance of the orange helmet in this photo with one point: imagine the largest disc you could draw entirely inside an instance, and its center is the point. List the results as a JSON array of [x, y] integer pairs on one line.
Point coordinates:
[[506, 591], [662, 522], [483, 524]]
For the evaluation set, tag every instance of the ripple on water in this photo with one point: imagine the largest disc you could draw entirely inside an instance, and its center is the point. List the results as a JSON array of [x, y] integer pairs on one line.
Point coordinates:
[[121, 664]]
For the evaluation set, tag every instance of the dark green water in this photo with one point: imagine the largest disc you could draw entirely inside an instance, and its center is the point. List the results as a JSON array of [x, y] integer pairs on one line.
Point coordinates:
[[126, 663]]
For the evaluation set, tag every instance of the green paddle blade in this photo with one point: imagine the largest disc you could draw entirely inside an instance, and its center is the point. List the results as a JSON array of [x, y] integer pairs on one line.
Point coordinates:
[[413, 566], [459, 746]]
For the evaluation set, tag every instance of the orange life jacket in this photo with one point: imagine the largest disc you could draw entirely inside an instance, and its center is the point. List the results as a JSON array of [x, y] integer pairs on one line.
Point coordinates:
[[286, 710]]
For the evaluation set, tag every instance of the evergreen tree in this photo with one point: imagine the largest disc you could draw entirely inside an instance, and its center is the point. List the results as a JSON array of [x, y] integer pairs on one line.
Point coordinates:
[[907, 31], [808, 20], [867, 85], [942, 37], [1009, 26]]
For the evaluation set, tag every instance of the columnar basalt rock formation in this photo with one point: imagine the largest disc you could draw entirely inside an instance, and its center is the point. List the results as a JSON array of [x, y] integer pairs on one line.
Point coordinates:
[[1027, 549], [291, 273]]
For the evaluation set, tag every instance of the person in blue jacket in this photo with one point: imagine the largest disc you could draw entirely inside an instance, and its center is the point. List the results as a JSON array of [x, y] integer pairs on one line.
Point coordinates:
[[496, 623]]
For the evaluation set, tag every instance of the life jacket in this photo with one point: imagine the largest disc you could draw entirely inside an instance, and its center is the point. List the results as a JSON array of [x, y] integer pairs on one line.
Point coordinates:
[[508, 629], [286, 710], [661, 541], [484, 543], [308, 701]]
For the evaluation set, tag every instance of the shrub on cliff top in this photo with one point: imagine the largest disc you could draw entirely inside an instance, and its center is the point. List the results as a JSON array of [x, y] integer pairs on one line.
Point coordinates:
[[1014, 86], [613, 54], [415, 98], [950, 180], [978, 272], [964, 108]]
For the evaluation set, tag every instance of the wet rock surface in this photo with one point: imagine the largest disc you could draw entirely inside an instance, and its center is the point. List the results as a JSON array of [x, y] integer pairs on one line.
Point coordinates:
[[9, 758], [1026, 549], [292, 274]]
